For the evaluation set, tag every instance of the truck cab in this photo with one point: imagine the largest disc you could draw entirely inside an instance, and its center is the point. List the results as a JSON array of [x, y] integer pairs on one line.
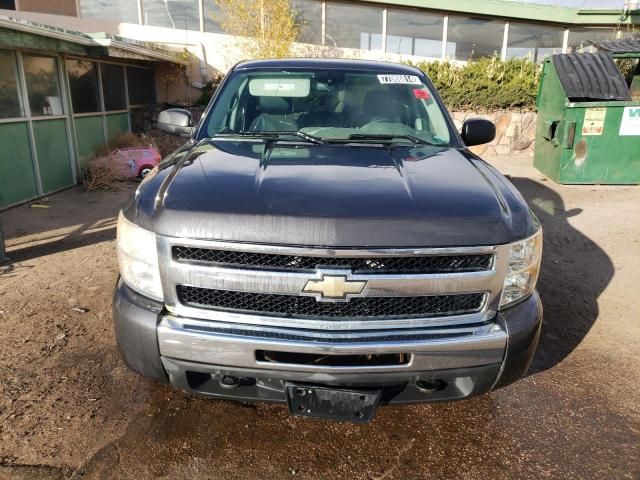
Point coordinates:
[[325, 239]]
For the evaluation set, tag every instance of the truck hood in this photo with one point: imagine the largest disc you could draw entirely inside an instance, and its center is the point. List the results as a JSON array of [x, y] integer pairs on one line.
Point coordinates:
[[334, 196]]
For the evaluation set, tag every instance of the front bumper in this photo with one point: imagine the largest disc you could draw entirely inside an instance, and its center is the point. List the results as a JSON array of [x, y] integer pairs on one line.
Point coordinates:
[[202, 356]]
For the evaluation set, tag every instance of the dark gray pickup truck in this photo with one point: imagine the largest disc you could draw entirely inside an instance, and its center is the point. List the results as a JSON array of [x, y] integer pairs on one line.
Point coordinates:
[[325, 239]]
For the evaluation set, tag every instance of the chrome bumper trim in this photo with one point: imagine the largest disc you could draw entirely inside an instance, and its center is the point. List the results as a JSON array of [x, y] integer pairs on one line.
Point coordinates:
[[484, 346]]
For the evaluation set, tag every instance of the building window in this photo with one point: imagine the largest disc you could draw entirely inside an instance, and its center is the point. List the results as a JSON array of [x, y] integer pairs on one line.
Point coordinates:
[[43, 85], [113, 87], [353, 26], [83, 83], [470, 38], [412, 32], [176, 14], [59, 7], [308, 15], [125, 11], [579, 37], [212, 17], [8, 4], [10, 104], [141, 86], [534, 42]]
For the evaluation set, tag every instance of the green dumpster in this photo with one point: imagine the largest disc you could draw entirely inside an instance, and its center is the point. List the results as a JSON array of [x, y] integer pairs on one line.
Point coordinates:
[[588, 129]]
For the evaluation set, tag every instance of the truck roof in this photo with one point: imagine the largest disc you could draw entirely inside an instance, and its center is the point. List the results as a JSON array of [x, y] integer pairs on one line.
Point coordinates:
[[334, 64]]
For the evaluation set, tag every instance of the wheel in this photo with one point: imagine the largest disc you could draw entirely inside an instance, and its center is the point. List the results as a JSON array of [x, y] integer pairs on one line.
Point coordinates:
[[144, 171]]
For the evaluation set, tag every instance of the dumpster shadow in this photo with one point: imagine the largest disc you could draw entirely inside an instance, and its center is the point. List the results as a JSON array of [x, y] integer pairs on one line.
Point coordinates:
[[575, 272]]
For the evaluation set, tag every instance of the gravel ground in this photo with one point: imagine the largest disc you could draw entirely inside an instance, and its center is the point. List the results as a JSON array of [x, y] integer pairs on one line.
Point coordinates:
[[70, 408]]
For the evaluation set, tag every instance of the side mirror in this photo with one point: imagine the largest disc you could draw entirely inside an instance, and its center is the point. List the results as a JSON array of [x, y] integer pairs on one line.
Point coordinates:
[[176, 121], [477, 131]]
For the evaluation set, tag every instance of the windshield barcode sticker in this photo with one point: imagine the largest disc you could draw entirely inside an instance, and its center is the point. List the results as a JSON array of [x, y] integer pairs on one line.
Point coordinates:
[[399, 79]]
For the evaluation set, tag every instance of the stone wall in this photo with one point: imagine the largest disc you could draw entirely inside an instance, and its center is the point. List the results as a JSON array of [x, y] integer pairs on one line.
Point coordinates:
[[515, 131]]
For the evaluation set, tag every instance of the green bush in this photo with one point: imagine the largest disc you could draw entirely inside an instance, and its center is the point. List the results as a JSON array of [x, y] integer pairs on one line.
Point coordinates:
[[487, 84], [209, 89], [628, 67]]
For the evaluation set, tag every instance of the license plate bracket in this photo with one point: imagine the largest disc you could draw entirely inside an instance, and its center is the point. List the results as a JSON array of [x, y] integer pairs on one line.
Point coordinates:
[[357, 406]]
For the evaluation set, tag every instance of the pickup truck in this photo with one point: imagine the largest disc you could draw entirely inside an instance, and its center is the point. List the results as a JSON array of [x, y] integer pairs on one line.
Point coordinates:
[[325, 239]]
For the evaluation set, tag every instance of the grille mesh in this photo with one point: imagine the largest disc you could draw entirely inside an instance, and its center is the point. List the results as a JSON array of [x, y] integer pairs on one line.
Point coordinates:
[[388, 264], [301, 306]]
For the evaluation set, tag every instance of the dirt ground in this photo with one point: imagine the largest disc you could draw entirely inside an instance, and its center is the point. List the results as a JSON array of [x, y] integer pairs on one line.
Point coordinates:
[[70, 408]]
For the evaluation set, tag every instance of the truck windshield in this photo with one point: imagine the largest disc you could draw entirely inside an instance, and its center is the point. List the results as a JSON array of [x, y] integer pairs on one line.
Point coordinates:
[[328, 105]]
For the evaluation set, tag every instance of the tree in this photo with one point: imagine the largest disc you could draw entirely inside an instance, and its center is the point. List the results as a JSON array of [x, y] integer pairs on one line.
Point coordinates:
[[265, 28]]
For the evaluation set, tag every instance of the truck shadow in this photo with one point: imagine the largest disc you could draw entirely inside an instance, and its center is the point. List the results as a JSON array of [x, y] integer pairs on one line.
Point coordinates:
[[575, 272], [73, 219]]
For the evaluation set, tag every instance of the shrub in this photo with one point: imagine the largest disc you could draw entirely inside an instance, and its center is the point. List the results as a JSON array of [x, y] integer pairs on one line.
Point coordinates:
[[487, 84], [628, 67], [101, 173], [209, 89], [122, 140]]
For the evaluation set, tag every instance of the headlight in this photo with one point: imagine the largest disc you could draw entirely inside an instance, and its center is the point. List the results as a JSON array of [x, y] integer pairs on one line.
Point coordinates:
[[524, 266], [138, 259]]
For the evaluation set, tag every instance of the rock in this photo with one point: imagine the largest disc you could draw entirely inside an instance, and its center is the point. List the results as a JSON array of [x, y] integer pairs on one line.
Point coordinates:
[[521, 144], [479, 149], [513, 130], [529, 133], [458, 124], [502, 122], [505, 140], [496, 140], [80, 309], [527, 118], [502, 149], [516, 118]]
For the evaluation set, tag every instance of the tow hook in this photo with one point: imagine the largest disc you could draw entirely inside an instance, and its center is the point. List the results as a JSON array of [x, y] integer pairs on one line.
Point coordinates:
[[431, 386], [228, 382]]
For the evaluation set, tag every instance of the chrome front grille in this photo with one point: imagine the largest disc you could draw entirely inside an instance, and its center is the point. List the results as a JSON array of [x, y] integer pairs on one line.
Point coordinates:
[[251, 284], [361, 307], [367, 264]]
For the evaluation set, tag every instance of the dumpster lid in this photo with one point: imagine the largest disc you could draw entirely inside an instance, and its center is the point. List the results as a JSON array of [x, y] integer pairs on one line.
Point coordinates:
[[624, 45], [591, 77]]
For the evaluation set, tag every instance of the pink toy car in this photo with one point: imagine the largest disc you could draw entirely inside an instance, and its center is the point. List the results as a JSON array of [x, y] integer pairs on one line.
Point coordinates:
[[137, 161]]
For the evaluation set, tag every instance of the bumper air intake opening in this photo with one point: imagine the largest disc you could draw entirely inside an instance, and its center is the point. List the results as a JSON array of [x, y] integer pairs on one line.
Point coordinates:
[[291, 358]]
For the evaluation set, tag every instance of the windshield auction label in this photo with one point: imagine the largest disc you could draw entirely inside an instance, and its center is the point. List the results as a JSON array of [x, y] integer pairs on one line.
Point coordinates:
[[399, 79]]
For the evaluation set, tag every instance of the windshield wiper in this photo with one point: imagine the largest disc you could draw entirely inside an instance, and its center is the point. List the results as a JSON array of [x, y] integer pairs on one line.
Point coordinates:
[[382, 137], [276, 136], [305, 136]]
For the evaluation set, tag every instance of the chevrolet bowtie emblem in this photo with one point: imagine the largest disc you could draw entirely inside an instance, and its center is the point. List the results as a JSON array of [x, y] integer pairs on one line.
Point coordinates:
[[334, 287]]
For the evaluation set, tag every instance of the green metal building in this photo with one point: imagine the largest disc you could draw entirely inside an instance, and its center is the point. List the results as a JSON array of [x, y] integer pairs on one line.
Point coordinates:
[[61, 94]]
